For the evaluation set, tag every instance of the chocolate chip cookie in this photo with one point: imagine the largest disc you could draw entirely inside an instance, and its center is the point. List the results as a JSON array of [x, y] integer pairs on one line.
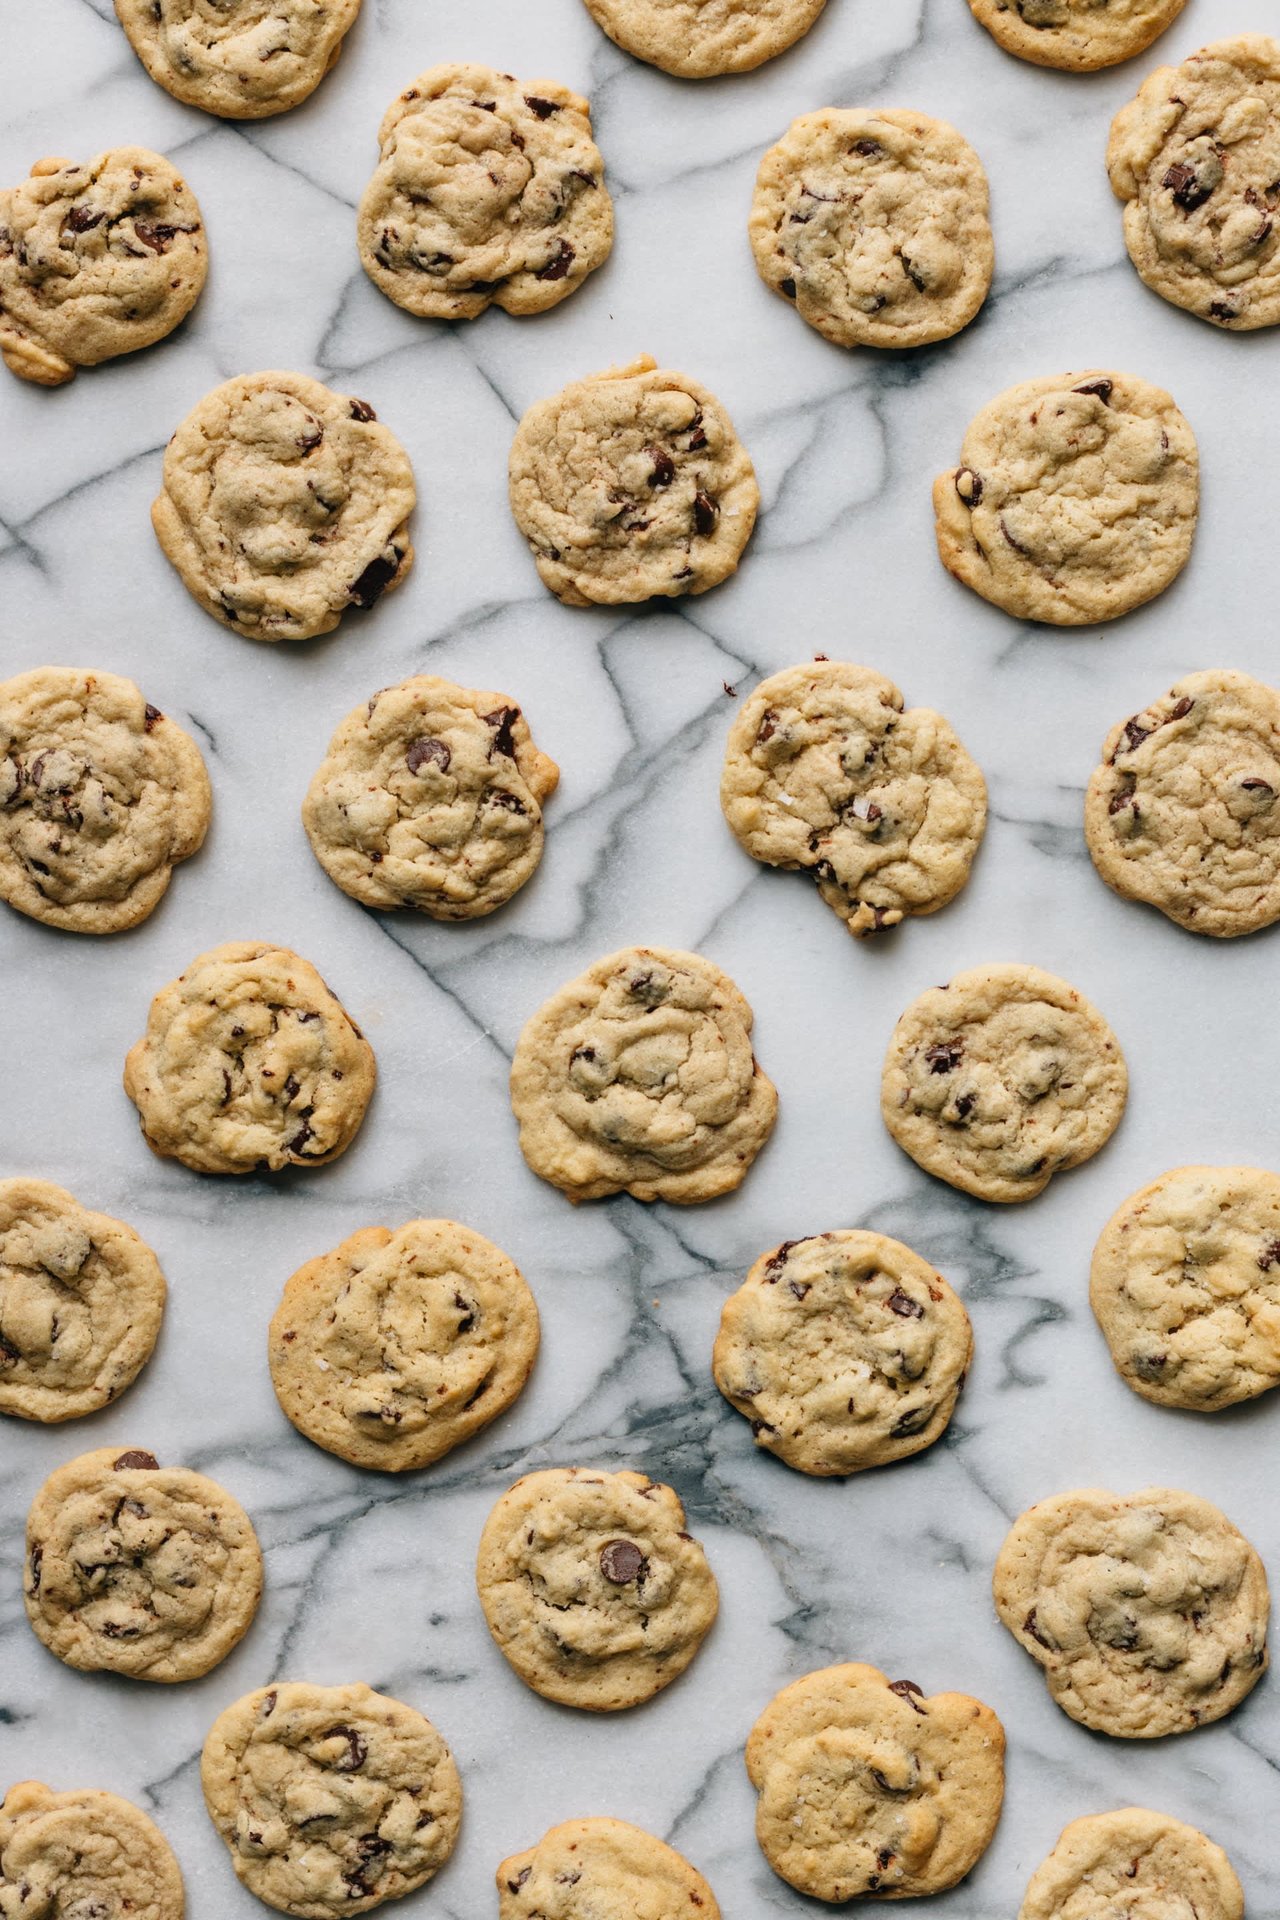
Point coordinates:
[[592, 1588], [284, 505], [139, 1569], [249, 1064], [330, 1799], [101, 795], [632, 485], [84, 1853], [1148, 1611], [396, 1347], [876, 225], [489, 192], [1147, 1866], [96, 260], [1075, 499], [596, 1867], [638, 1077], [1196, 160], [1001, 1079], [431, 797], [825, 772], [1077, 35], [868, 1787], [698, 38], [81, 1300], [844, 1350], [240, 59]]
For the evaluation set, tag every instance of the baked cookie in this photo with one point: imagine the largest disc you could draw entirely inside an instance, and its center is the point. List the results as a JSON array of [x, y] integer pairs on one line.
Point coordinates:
[[875, 224], [81, 1300], [96, 260], [824, 771], [330, 1799], [489, 192], [1196, 160], [597, 1867], [632, 485], [283, 505], [698, 38], [1146, 1866], [1075, 499], [844, 1351], [100, 797], [867, 1787], [1077, 35], [240, 59], [431, 797], [83, 1855], [137, 1568], [1147, 1611], [592, 1588], [1001, 1079], [638, 1077], [395, 1347], [1184, 812]]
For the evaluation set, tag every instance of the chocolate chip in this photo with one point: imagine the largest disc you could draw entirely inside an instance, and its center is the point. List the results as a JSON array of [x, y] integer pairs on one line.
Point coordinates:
[[467, 1311], [969, 485], [268, 1706], [965, 1105], [1029, 1626], [1134, 734], [154, 234], [428, 751], [81, 219], [867, 148], [1180, 711], [621, 1563], [1102, 388], [944, 1056], [308, 442], [135, 1458], [909, 1691], [914, 1420], [1185, 184], [543, 108], [904, 1306], [37, 1561], [376, 578], [1269, 1256], [559, 263], [705, 514], [300, 1138], [361, 410], [778, 1259], [357, 1748], [508, 802], [788, 287], [150, 717], [503, 721], [514, 1886], [664, 467]]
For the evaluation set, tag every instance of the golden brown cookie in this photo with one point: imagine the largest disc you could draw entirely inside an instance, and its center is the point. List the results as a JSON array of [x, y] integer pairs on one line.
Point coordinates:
[[83, 1855], [596, 1869], [240, 59], [1144, 1865]]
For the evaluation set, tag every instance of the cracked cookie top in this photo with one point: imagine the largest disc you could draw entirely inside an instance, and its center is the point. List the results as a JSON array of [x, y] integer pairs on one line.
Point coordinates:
[[1147, 1866], [240, 59], [698, 38], [84, 1853], [587, 1868], [1078, 35]]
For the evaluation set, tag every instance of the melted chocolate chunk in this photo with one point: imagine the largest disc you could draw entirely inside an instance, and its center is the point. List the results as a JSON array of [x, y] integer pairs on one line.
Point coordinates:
[[374, 581], [503, 721], [155, 234], [944, 1056], [904, 1306], [705, 514], [361, 410], [559, 263], [543, 108], [82, 219], [136, 1457], [621, 1563], [150, 717], [1102, 388], [664, 467], [357, 1748], [909, 1691], [428, 752]]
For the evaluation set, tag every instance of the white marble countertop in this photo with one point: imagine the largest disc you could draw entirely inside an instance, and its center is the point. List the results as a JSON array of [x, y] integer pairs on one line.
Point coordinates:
[[371, 1577]]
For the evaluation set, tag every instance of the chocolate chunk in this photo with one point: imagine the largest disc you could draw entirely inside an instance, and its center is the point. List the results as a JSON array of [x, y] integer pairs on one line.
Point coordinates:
[[37, 1561], [543, 108], [1221, 310], [301, 1138], [135, 1458], [904, 1306], [664, 467], [268, 1706], [1269, 1256], [514, 1886], [1134, 734], [376, 578], [1179, 711], [508, 802], [705, 514], [357, 1748], [914, 1420], [503, 721], [361, 410], [428, 751], [150, 716], [559, 263], [1103, 389], [867, 148], [909, 1691], [944, 1056], [1029, 1626], [969, 485], [965, 1105], [467, 1311], [621, 1563], [155, 234], [788, 286], [1189, 192], [82, 219], [778, 1259], [308, 442]]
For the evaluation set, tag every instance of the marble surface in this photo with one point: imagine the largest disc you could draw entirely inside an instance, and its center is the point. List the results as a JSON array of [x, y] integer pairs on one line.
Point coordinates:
[[371, 1576]]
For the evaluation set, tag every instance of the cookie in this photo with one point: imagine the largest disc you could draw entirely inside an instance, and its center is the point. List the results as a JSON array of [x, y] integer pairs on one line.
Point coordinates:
[[140, 1569], [1184, 812], [431, 797], [489, 192], [1144, 1865], [83, 1854], [284, 505], [81, 1300], [330, 1799], [597, 1867], [1147, 1611], [696, 39], [876, 225], [395, 1347], [592, 1588], [867, 1787], [1075, 499], [96, 260], [638, 1077], [843, 1350], [632, 485], [249, 1064], [823, 771], [1196, 160], [1001, 1079], [101, 795], [1077, 35], [240, 59]]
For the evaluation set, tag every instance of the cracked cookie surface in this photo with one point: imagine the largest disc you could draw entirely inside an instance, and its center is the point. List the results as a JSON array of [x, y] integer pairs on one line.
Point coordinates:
[[825, 772], [1144, 1865], [239, 59], [489, 191], [631, 485], [101, 796], [1077, 35], [248, 1063], [96, 260], [875, 224], [83, 1853], [284, 505], [638, 1077], [1196, 160], [695, 39], [868, 1787], [430, 796], [330, 1799], [592, 1589], [1148, 1611], [139, 1569], [844, 1350], [1075, 499], [597, 1866], [1001, 1079], [395, 1347]]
